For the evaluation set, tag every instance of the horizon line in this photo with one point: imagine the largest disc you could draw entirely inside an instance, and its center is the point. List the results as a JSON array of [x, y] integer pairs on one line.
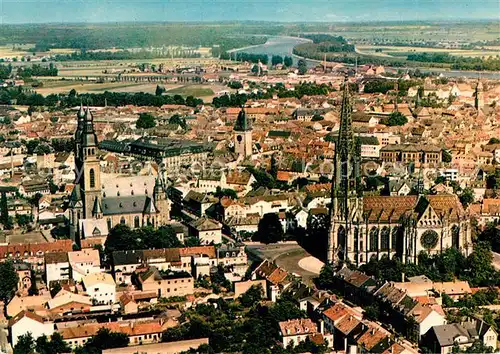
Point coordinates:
[[444, 20]]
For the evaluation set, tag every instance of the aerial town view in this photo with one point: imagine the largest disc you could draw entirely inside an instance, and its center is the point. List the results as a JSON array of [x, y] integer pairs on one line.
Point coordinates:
[[250, 177]]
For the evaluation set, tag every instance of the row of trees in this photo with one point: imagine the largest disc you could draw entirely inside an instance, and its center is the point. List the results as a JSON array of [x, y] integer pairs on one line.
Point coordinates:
[[278, 59], [300, 90], [37, 70], [126, 55], [249, 57], [241, 326], [8, 95], [458, 62], [122, 237], [446, 266]]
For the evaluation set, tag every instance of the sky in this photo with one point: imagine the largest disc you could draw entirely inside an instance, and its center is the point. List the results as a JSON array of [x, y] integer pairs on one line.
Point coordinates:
[[71, 11]]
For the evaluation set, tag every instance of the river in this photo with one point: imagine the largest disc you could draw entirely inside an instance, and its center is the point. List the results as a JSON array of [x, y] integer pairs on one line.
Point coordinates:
[[282, 45]]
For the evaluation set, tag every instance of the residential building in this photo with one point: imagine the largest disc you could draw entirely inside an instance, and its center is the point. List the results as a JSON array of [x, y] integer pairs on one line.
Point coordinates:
[[293, 332], [100, 287], [207, 230], [57, 266], [28, 322], [165, 283], [84, 262]]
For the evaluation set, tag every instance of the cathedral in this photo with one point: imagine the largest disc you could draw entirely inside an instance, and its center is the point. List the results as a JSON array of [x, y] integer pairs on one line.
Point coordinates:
[[366, 227], [98, 201]]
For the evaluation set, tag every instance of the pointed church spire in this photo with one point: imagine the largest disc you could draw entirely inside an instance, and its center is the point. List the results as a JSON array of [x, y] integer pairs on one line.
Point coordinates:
[[346, 183], [242, 123], [97, 209]]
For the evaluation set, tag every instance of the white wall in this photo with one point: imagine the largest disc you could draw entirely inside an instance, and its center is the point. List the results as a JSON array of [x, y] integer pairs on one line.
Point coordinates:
[[36, 329]]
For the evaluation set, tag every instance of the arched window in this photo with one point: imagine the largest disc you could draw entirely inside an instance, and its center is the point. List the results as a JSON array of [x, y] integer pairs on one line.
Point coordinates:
[[341, 242], [137, 222], [455, 236], [384, 239], [92, 178], [394, 238], [122, 220], [373, 239], [109, 223], [356, 240]]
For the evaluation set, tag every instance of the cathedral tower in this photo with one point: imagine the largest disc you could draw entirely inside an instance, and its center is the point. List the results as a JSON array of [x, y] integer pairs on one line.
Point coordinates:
[[161, 201], [243, 135], [347, 202], [89, 176]]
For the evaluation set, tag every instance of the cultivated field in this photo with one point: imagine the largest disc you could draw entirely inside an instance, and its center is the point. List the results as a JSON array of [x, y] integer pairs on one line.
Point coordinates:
[[397, 51]]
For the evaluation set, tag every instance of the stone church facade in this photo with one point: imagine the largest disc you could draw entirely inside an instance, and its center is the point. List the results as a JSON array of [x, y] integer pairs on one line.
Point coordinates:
[[366, 227], [99, 202]]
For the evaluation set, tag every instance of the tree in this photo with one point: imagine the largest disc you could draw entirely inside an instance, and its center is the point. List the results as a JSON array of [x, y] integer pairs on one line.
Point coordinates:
[[276, 59], [25, 344], [176, 119], [467, 196], [325, 278], [396, 118], [145, 121], [446, 156], [288, 61], [317, 118], [372, 312], [105, 339], [159, 90], [302, 66], [42, 149], [269, 229], [252, 296], [9, 277], [225, 192], [494, 141], [4, 212], [55, 345]]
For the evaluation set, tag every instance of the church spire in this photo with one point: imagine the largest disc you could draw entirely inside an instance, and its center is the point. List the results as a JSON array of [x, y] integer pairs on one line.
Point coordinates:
[[346, 183], [89, 138]]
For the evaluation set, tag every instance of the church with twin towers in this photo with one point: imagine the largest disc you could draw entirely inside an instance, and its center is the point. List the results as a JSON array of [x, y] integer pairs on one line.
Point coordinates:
[[366, 227], [101, 201]]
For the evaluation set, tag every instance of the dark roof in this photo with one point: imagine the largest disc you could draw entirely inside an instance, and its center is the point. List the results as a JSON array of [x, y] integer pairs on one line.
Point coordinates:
[[134, 204], [278, 134], [127, 257], [242, 123]]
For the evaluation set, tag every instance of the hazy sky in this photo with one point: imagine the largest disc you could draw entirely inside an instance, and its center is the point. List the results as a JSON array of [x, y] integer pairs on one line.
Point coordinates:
[[36, 11]]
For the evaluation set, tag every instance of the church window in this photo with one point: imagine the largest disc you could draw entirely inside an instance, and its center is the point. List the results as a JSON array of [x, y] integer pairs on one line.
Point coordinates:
[[455, 236], [122, 220], [92, 178], [394, 238], [385, 239], [137, 222], [373, 239], [429, 239]]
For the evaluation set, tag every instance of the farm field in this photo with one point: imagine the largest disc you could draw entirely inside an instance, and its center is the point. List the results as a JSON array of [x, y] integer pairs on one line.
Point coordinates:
[[191, 90], [397, 51], [61, 86]]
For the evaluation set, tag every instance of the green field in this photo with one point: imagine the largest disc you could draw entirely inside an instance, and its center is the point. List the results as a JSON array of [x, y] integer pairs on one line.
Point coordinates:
[[191, 90]]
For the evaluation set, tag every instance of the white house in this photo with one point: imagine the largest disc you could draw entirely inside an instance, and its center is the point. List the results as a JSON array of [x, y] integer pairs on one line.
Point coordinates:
[[28, 322], [100, 287], [206, 230], [56, 266], [84, 262]]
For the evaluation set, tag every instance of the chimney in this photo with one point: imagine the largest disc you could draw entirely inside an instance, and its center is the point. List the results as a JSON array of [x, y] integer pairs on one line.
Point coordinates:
[[322, 327], [402, 277]]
